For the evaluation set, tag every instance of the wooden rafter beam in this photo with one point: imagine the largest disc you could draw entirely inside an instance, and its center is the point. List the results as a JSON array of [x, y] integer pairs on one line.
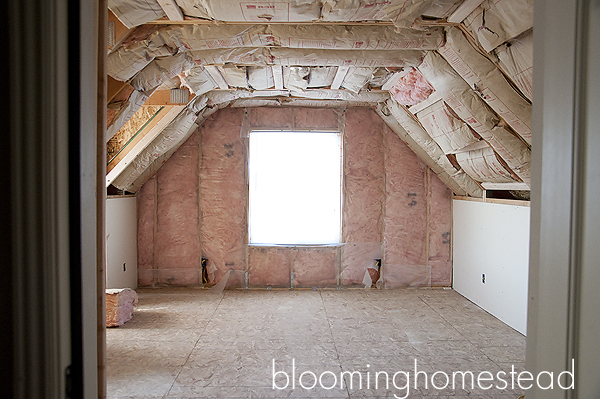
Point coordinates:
[[117, 32], [114, 87], [141, 141]]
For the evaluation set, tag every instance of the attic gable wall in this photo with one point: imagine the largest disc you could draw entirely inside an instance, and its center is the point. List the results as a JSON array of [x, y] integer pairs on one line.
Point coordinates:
[[395, 208]]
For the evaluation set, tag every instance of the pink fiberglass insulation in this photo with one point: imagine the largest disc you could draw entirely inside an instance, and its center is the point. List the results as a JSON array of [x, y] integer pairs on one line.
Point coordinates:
[[315, 267], [356, 258], [315, 118], [145, 231], [273, 118], [223, 191], [269, 266], [411, 89], [364, 192], [177, 239], [440, 232], [405, 259]]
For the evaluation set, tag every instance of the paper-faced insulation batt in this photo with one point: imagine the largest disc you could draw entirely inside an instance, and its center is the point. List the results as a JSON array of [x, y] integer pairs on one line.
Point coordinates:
[[473, 110], [515, 57], [496, 21], [485, 78], [448, 131], [483, 166]]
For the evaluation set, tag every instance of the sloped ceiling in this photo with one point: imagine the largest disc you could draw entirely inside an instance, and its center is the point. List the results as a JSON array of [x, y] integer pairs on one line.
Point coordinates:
[[452, 78]]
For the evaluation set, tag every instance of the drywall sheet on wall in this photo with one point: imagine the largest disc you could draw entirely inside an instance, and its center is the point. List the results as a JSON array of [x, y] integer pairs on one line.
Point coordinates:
[[145, 229], [223, 191], [364, 193], [405, 220], [492, 240], [177, 240], [440, 231], [121, 243]]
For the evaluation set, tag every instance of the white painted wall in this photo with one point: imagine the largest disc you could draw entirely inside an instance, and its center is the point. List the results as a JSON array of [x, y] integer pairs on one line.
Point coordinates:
[[492, 240], [121, 242]]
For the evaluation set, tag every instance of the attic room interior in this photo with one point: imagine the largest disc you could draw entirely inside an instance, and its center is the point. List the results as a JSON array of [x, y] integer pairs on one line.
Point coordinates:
[[303, 199]]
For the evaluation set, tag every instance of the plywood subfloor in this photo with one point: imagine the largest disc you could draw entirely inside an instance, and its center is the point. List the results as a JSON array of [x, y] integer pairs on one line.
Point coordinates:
[[187, 343]]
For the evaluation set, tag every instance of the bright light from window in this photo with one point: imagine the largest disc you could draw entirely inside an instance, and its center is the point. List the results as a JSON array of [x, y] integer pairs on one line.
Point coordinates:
[[295, 187]]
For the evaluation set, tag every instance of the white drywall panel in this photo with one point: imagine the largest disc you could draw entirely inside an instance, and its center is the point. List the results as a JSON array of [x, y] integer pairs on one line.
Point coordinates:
[[121, 243], [492, 240]]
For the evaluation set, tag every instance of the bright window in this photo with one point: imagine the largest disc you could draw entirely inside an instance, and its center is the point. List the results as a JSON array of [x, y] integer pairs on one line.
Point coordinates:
[[295, 187]]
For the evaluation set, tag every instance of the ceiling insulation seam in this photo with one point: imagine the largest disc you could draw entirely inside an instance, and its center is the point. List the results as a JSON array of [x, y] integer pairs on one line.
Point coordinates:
[[413, 129], [198, 80], [260, 78], [484, 77], [133, 13], [402, 13], [123, 68], [442, 8], [473, 110], [451, 133], [235, 76], [497, 21], [295, 78], [126, 111], [483, 166], [515, 57], [161, 70], [457, 181], [220, 96], [321, 76], [356, 78], [173, 39], [298, 102]]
